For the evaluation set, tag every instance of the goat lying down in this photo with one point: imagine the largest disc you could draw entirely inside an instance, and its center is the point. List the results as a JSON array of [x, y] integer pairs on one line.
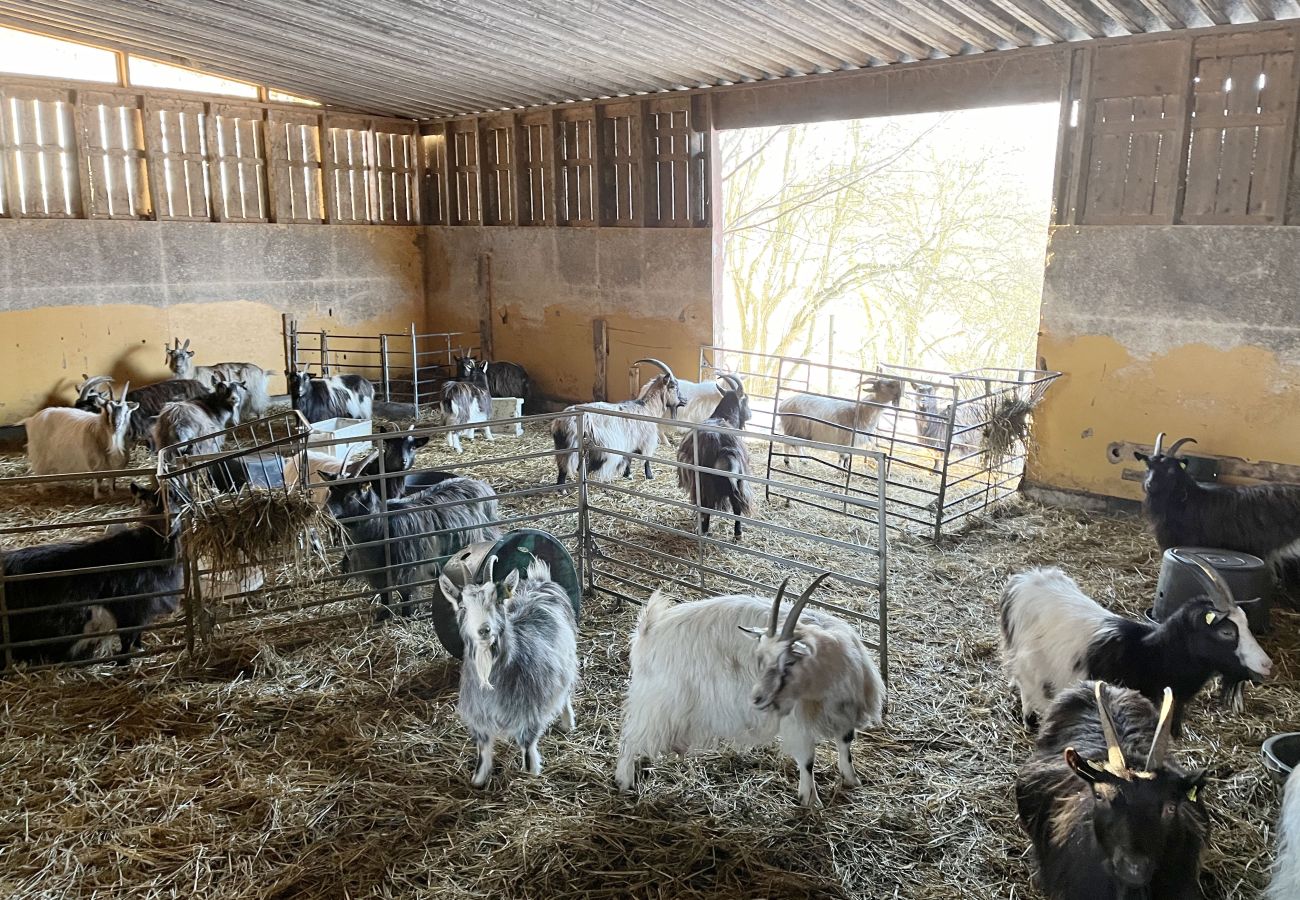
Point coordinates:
[[699, 678]]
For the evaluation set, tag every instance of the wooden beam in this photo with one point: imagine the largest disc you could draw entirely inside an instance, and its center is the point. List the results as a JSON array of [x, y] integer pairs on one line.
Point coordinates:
[[908, 24], [1118, 16], [1259, 10], [1211, 12], [932, 11], [600, 346], [1071, 12], [986, 20], [1029, 19], [1162, 12]]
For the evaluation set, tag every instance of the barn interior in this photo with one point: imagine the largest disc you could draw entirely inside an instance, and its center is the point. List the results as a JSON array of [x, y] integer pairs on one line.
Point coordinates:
[[378, 189]]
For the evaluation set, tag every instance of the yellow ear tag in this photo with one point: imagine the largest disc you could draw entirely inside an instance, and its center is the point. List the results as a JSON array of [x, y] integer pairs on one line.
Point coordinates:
[[1209, 618], [1191, 795]]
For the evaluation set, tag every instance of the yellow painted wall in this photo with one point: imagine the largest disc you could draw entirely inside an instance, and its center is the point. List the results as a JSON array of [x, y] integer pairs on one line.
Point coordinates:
[[1191, 330], [103, 298]]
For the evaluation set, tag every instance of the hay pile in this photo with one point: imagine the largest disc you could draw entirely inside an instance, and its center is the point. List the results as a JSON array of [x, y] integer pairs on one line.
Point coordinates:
[[326, 760]]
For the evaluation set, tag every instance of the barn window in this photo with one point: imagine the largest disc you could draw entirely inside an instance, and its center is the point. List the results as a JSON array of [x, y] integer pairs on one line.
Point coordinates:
[[349, 163], [296, 166], [677, 173], [434, 148], [463, 175], [281, 97], [239, 163], [621, 193], [178, 159], [148, 73], [33, 54], [38, 137], [396, 168], [534, 154], [112, 142], [498, 173], [575, 146]]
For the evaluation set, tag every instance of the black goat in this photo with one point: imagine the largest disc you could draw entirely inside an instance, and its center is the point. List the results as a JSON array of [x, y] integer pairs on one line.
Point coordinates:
[[338, 396], [1054, 635], [1103, 829], [135, 580], [1262, 519], [715, 450], [504, 379], [420, 531]]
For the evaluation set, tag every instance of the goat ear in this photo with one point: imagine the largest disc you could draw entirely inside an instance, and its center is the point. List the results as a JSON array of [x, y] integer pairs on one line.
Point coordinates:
[[1089, 771], [750, 630], [800, 648], [133, 406], [419, 441], [510, 583], [450, 591]]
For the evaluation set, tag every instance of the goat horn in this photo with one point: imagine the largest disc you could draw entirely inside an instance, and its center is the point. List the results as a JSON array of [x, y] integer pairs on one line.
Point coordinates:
[[1160, 743], [357, 468], [1158, 447], [1173, 451], [92, 383], [126, 389], [187, 344], [1220, 591], [491, 564], [776, 608], [793, 619], [734, 382], [660, 364], [1115, 761]]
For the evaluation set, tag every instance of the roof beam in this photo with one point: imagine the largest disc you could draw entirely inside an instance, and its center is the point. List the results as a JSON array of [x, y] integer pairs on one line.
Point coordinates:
[[1028, 19], [1162, 12], [1118, 16]]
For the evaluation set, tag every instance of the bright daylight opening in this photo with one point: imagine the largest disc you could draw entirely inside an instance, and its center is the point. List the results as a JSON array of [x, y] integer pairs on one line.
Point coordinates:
[[911, 240], [148, 73], [31, 54]]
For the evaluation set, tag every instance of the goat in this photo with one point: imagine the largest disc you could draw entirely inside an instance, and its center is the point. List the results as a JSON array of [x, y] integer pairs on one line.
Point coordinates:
[[152, 398], [95, 591], [932, 424], [91, 395], [418, 533], [338, 396], [831, 420], [504, 379], [715, 450], [1054, 635], [184, 421], [1262, 519], [180, 359], [62, 440], [1102, 829], [521, 661], [699, 398], [397, 456], [614, 437], [467, 402], [1286, 871], [697, 680]]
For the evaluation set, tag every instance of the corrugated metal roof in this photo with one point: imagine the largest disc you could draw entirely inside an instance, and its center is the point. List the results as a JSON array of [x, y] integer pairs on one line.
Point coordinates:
[[429, 58]]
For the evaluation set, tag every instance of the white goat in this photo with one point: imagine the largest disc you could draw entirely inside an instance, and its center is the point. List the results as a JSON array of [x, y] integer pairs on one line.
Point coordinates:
[[467, 401], [617, 436], [180, 359], [698, 680], [831, 420], [521, 661], [62, 440], [1286, 872]]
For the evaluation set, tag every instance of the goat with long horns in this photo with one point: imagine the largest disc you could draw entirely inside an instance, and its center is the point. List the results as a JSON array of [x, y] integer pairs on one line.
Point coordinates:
[[1102, 828], [698, 679]]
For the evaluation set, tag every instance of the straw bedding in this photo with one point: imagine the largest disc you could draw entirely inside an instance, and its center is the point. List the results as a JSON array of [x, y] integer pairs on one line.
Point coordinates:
[[326, 760]]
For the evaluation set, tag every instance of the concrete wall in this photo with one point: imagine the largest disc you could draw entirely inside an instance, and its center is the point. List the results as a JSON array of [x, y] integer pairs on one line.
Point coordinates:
[[545, 287], [103, 297], [1192, 330]]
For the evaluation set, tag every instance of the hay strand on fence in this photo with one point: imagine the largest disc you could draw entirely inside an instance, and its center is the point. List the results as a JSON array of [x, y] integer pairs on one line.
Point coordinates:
[[254, 525], [1007, 423]]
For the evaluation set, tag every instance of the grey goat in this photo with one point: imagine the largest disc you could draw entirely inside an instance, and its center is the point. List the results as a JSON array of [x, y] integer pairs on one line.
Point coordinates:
[[521, 661]]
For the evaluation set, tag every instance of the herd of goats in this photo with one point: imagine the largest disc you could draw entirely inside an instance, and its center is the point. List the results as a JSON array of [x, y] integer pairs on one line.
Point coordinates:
[[1109, 813]]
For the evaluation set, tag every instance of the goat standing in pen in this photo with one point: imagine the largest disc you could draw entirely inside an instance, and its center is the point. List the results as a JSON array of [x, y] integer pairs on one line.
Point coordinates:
[[467, 402], [1262, 519], [1102, 829], [521, 661], [698, 679], [832, 420], [115, 586], [613, 437], [504, 379], [333, 397], [1054, 635], [1286, 870], [187, 420], [62, 440], [180, 359], [714, 450], [418, 531]]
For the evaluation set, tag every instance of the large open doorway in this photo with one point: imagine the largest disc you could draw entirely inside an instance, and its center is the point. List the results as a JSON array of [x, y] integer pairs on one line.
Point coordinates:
[[911, 240]]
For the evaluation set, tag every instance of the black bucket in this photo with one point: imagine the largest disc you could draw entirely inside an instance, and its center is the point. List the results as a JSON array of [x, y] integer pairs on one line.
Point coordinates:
[[1249, 577], [1281, 755]]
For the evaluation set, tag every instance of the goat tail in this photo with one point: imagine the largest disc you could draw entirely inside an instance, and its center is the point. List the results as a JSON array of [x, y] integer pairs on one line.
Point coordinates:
[[539, 570], [736, 459], [652, 613]]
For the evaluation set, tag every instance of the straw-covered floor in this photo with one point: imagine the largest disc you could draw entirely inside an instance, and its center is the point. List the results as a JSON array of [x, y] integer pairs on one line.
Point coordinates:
[[327, 761]]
